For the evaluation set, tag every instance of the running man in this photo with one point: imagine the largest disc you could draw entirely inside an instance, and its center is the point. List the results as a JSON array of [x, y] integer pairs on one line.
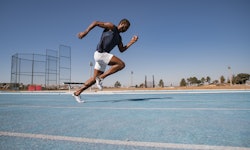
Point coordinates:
[[109, 39]]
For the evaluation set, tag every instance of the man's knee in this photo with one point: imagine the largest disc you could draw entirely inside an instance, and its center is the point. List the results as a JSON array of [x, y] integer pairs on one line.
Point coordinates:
[[122, 65]]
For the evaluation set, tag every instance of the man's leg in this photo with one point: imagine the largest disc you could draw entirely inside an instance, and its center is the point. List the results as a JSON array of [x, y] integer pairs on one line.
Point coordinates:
[[89, 82], [116, 65]]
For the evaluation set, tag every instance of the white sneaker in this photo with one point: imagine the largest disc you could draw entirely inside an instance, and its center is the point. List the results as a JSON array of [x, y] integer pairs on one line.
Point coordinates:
[[99, 83], [78, 98]]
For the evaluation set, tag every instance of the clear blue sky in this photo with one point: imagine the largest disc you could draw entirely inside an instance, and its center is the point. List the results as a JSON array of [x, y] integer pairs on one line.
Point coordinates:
[[177, 38]]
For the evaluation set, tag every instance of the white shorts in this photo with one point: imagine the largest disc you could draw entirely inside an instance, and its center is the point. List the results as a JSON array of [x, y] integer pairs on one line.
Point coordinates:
[[102, 60]]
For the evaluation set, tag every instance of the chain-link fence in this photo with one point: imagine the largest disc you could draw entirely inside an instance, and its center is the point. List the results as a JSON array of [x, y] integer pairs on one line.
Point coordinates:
[[49, 70]]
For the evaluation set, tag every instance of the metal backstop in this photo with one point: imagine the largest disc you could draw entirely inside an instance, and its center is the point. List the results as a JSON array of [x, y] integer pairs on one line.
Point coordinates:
[[48, 70]]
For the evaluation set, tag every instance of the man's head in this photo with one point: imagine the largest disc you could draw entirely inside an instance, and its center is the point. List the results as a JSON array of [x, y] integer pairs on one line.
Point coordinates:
[[123, 25]]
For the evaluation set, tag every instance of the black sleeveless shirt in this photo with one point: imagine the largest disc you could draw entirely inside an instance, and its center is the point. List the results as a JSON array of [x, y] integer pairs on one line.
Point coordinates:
[[109, 39]]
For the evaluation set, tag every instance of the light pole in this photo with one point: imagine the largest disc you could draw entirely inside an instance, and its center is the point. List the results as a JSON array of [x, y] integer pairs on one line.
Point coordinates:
[[230, 75], [90, 72], [131, 79]]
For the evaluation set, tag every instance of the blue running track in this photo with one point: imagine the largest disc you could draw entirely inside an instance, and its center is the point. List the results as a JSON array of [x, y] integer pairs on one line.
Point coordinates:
[[123, 121]]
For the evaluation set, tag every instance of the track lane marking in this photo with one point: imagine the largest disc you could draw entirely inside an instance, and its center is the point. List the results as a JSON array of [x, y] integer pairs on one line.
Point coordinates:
[[133, 108], [120, 142]]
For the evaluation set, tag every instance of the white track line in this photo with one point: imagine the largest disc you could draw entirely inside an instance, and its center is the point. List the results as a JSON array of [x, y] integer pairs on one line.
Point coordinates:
[[121, 143], [133, 92], [132, 108]]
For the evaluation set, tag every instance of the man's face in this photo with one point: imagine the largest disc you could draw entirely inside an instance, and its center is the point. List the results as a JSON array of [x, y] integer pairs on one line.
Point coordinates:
[[123, 27]]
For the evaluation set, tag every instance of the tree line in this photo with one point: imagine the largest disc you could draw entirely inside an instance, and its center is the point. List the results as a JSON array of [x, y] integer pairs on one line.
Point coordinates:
[[194, 81], [238, 79]]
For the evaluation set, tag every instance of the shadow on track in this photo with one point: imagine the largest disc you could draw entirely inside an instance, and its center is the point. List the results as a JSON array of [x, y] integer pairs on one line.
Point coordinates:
[[133, 99]]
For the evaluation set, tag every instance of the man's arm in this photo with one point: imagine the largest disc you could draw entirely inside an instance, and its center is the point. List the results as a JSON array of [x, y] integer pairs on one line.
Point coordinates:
[[132, 41], [106, 25]]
